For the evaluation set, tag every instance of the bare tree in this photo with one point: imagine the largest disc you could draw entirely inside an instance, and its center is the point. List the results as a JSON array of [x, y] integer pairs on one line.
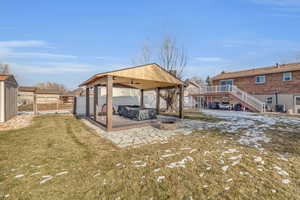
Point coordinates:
[[52, 86], [4, 68], [208, 81], [173, 59], [145, 55]]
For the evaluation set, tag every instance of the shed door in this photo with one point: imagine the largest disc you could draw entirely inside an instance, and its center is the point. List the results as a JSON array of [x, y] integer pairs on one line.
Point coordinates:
[[297, 104]]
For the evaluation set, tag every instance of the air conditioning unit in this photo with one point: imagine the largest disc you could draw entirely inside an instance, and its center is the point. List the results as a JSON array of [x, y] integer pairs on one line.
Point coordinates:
[[280, 108]]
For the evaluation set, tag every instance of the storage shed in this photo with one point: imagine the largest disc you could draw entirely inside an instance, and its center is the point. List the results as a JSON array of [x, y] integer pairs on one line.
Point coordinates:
[[8, 97]]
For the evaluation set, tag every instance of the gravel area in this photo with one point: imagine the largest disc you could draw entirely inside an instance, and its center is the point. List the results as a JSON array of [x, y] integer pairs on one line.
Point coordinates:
[[19, 121], [250, 127]]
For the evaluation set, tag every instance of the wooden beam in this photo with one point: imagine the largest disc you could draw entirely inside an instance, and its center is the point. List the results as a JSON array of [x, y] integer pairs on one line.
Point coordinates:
[[74, 105], [157, 100], [95, 102], [142, 99], [34, 104], [109, 103], [87, 102], [181, 101]]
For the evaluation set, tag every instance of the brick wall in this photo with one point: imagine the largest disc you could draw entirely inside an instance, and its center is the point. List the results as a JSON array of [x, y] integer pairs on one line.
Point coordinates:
[[274, 83]]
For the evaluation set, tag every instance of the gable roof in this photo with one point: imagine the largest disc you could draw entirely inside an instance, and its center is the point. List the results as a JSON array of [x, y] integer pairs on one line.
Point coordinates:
[[10, 78], [37, 90], [144, 74], [4, 77], [259, 71], [27, 89], [47, 91]]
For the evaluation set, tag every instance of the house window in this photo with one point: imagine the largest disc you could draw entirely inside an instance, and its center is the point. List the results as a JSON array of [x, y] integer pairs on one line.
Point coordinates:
[[287, 76], [260, 79], [226, 82], [269, 100]]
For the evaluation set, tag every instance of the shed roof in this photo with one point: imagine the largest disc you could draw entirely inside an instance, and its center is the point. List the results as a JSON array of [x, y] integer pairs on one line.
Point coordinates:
[[4, 77], [259, 71], [10, 78], [142, 77]]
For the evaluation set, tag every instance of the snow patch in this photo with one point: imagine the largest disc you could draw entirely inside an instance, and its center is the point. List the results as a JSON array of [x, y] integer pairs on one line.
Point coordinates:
[[180, 163], [19, 176], [160, 178]]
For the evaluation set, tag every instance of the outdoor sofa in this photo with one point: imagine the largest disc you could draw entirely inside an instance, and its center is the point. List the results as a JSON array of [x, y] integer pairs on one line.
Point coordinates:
[[135, 112]]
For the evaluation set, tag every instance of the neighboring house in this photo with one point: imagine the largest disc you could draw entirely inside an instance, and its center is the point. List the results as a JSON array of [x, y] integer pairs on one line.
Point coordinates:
[[43, 96], [8, 97], [26, 94], [275, 85], [190, 88], [117, 92]]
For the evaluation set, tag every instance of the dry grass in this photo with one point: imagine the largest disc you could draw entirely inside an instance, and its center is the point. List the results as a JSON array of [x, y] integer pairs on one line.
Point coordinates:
[[99, 170], [196, 115]]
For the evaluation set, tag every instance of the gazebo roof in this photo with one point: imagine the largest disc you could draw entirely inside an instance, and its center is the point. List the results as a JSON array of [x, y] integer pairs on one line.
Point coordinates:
[[147, 76]]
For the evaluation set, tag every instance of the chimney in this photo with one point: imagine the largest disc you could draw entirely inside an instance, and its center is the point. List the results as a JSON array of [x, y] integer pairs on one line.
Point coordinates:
[[277, 65]]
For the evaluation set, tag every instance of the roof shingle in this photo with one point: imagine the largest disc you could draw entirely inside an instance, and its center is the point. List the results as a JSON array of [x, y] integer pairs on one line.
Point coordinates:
[[259, 71]]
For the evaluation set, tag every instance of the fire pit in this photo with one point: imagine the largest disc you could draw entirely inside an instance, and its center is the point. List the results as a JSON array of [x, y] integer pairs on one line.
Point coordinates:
[[167, 125]]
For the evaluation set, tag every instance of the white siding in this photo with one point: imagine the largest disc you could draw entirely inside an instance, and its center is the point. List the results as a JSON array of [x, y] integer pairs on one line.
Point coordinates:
[[2, 107], [10, 100]]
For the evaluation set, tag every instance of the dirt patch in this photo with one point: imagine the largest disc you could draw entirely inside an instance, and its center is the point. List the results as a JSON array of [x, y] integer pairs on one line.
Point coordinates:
[[19, 121]]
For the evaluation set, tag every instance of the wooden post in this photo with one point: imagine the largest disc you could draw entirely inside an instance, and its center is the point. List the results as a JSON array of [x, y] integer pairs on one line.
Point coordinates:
[[142, 98], [181, 101], [87, 102], [157, 100], [95, 102], [74, 105], [109, 105], [34, 105]]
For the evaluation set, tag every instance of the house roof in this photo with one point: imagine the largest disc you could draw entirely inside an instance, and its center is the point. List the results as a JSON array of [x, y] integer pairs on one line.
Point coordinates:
[[259, 71], [147, 76], [47, 91], [37, 90], [27, 89], [190, 82], [75, 92]]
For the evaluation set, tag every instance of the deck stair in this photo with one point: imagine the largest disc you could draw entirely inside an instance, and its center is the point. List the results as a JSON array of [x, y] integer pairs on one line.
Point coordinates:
[[246, 99]]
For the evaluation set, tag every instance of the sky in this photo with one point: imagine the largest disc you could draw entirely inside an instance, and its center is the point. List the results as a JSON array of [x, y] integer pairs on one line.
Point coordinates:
[[69, 41]]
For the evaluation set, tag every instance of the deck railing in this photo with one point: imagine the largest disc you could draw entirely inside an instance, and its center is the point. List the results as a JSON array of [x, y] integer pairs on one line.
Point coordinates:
[[235, 91]]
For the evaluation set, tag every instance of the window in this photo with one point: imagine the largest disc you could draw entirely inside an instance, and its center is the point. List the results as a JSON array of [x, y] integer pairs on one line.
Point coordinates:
[[226, 82], [269, 100], [260, 79], [287, 76]]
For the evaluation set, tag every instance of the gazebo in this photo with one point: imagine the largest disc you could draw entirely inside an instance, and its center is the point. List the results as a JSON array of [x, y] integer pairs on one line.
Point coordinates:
[[145, 77]]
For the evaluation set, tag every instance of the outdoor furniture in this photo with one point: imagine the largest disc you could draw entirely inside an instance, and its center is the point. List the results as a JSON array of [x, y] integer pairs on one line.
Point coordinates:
[[136, 112]]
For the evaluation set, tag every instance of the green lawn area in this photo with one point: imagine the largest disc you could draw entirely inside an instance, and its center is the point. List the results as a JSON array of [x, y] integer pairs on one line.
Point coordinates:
[[58, 157]]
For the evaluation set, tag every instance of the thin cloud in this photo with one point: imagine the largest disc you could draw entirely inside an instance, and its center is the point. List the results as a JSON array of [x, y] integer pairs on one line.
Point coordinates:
[[20, 43], [37, 55], [209, 59], [52, 68]]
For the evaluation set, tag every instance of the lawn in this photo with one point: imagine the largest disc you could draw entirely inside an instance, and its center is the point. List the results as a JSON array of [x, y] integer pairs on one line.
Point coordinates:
[[58, 157]]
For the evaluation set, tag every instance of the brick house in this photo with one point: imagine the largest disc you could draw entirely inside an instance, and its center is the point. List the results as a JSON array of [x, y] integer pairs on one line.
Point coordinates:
[[271, 86]]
